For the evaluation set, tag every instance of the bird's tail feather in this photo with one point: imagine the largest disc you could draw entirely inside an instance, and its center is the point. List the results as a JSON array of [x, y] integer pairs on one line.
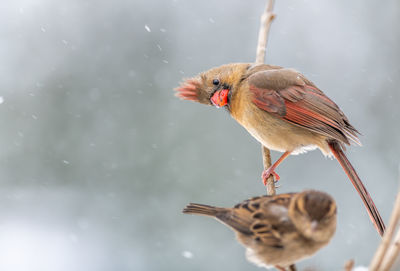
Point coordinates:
[[201, 209], [359, 186], [224, 215]]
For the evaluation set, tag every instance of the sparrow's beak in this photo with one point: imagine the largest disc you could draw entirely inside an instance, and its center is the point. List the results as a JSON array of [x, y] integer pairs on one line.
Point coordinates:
[[188, 90], [314, 225], [220, 98]]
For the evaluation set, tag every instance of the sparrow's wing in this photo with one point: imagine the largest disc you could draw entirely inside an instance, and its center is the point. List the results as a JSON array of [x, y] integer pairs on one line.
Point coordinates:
[[288, 95], [264, 219]]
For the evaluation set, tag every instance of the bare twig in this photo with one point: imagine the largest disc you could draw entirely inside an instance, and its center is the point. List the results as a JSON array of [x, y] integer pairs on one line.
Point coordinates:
[[392, 254], [267, 163], [266, 19], [349, 265], [380, 254]]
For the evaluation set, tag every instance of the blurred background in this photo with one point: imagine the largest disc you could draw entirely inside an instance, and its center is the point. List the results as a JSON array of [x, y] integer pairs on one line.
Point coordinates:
[[98, 157]]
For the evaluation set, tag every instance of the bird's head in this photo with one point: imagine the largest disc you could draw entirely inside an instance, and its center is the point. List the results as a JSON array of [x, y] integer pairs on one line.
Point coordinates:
[[314, 214], [213, 87]]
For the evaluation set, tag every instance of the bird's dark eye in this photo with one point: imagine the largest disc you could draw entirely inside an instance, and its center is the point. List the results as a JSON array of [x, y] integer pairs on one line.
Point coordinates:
[[215, 82]]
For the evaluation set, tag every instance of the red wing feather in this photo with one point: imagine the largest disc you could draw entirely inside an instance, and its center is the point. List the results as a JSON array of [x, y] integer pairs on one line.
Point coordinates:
[[269, 100], [304, 105]]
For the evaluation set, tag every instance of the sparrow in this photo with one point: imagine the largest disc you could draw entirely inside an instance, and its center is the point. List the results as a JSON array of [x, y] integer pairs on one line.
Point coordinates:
[[284, 111], [278, 230]]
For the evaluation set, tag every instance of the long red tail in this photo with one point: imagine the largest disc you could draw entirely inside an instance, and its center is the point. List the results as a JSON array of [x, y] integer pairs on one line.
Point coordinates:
[[362, 191]]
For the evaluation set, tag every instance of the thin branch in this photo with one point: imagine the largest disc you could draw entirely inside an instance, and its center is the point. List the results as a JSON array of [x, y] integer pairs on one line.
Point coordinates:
[[265, 24], [267, 163], [349, 265], [266, 20], [392, 254], [380, 254]]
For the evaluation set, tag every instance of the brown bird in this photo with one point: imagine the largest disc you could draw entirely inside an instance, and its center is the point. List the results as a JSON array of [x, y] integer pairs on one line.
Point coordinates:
[[278, 230], [284, 111]]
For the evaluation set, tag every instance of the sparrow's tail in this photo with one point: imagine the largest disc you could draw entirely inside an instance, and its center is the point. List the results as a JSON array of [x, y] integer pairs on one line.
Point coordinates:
[[201, 209], [224, 215], [362, 191]]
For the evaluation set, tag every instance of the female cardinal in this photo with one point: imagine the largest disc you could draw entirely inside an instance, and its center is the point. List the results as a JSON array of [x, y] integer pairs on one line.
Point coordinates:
[[284, 111], [278, 230]]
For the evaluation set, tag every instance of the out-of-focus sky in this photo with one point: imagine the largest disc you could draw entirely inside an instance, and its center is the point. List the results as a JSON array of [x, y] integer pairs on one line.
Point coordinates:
[[98, 157]]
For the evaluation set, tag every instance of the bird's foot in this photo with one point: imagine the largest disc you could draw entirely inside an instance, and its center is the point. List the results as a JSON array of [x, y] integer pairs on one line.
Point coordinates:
[[268, 172], [280, 268]]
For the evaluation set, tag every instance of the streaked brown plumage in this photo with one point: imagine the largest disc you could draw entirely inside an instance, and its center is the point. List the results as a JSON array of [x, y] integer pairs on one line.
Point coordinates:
[[284, 111], [278, 230]]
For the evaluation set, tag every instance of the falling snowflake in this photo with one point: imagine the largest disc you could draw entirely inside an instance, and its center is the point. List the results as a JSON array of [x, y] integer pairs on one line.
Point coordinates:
[[187, 254]]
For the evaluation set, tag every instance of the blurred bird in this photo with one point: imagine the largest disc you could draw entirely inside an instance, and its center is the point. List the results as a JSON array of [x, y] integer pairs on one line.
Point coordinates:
[[284, 111], [278, 230]]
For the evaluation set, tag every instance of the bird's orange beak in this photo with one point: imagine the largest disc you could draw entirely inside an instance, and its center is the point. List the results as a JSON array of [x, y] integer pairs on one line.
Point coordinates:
[[220, 98]]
